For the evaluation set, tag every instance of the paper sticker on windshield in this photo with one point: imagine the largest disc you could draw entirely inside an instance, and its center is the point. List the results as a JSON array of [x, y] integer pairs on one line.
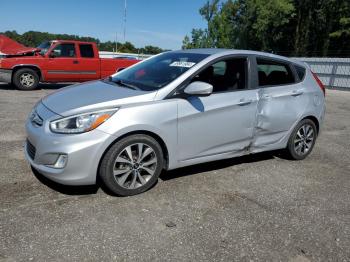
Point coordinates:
[[182, 64]]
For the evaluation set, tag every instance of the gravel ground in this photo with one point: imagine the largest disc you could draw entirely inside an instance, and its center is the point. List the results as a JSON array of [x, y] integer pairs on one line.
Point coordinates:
[[258, 207]]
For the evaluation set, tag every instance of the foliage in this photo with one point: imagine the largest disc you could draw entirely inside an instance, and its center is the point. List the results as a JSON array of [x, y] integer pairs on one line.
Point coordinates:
[[33, 38], [287, 27]]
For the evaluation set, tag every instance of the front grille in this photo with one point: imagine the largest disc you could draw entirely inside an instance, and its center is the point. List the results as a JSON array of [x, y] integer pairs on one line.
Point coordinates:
[[31, 150]]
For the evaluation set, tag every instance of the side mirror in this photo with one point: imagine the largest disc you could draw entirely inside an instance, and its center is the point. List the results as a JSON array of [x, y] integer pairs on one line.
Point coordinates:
[[199, 88]]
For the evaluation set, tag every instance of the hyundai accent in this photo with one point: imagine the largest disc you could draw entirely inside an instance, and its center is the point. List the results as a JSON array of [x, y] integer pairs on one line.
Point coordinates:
[[172, 110]]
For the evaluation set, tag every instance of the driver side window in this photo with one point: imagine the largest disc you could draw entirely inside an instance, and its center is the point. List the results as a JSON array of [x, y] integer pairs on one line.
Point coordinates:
[[64, 50], [226, 75]]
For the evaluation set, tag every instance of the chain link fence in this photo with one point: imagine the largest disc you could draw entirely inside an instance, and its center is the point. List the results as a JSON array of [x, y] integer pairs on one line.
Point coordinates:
[[108, 54], [333, 72]]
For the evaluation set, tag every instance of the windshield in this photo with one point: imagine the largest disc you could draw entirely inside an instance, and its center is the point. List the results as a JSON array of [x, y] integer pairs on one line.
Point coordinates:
[[44, 47], [158, 71]]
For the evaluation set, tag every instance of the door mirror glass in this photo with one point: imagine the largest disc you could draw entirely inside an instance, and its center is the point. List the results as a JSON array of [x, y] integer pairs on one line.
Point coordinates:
[[199, 88]]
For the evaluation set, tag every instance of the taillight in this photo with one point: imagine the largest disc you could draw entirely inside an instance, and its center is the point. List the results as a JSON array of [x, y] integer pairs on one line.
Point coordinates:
[[320, 84]]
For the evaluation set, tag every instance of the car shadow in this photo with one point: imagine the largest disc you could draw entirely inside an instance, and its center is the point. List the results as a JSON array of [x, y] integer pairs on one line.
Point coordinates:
[[51, 86], [164, 176], [220, 164], [64, 189], [4, 86], [48, 86]]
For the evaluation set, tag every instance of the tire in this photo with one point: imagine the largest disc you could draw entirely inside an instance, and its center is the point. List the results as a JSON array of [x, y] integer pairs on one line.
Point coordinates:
[[300, 146], [26, 79], [126, 172]]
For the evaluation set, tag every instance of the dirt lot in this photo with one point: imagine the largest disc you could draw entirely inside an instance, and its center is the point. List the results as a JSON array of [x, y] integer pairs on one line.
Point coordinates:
[[258, 207]]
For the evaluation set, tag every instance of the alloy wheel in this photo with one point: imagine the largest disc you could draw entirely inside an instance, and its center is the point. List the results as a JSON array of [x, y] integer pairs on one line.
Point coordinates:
[[304, 139], [27, 80], [135, 165]]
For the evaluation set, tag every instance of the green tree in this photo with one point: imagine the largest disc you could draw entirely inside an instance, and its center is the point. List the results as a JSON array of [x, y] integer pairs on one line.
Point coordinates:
[[127, 47], [271, 25], [34, 38], [243, 24], [149, 49], [339, 38], [288, 27]]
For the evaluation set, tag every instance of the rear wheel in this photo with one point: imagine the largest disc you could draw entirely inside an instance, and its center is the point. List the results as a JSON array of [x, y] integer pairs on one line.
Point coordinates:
[[132, 165], [302, 140], [26, 79]]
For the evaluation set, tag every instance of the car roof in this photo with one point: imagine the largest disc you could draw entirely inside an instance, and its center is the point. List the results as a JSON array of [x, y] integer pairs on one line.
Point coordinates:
[[214, 51], [70, 41]]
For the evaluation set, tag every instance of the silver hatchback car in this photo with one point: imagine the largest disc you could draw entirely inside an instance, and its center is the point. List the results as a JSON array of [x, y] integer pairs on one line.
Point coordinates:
[[175, 109]]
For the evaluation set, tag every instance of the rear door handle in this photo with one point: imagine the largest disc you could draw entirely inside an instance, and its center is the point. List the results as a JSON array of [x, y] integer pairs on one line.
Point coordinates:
[[75, 62], [297, 92], [244, 102]]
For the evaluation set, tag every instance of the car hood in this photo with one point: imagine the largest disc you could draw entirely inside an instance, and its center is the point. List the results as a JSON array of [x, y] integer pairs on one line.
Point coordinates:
[[11, 47], [94, 95]]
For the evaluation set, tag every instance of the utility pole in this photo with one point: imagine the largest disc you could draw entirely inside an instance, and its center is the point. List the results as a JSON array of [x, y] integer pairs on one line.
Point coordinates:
[[116, 42], [124, 20]]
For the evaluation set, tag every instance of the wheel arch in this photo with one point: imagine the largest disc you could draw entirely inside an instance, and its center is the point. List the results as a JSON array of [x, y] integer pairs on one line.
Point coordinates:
[[23, 66], [141, 132], [315, 120]]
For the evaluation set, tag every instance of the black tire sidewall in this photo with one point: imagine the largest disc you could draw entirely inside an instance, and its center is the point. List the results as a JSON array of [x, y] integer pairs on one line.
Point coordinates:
[[17, 75], [291, 148], [106, 167]]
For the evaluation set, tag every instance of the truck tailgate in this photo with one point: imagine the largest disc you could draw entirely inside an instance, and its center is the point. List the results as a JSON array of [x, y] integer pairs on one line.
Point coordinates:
[[110, 65]]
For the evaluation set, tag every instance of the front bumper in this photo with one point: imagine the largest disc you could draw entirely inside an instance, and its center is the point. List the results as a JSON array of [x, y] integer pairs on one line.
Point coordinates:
[[84, 151], [5, 75]]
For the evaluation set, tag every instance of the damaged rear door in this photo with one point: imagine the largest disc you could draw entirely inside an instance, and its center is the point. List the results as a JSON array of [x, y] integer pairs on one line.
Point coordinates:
[[282, 102]]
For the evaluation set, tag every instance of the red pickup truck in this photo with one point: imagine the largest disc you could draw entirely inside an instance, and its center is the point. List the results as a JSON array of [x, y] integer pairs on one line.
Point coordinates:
[[54, 61]]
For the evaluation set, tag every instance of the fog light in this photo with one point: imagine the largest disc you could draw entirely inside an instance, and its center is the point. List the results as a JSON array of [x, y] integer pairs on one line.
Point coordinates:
[[60, 162]]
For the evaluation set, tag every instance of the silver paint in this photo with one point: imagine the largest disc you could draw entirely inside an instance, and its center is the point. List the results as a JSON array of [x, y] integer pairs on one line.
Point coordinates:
[[194, 130]]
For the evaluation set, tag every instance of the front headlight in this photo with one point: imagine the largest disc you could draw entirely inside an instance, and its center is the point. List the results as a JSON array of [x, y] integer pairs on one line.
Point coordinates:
[[81, 123]]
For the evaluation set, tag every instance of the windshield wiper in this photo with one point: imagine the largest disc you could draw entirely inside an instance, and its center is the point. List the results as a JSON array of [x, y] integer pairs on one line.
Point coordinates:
[[122, 83]]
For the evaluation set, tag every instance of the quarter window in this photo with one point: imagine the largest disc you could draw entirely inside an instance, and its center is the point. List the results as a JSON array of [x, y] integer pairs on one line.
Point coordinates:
[[64, 50], [300, 71], [86, 50], [273, 73], [226, 75]]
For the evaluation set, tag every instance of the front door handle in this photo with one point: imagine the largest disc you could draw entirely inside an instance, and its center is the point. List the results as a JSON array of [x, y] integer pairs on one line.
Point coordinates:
[[75, 62], [297, 92], [244, 102]]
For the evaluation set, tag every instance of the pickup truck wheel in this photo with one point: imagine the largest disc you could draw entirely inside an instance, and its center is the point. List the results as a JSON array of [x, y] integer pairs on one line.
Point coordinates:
[[26, 79]]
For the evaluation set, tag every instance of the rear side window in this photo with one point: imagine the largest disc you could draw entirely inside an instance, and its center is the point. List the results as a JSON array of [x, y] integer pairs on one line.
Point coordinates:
[[86, 50], [300, 71], [273, 73]]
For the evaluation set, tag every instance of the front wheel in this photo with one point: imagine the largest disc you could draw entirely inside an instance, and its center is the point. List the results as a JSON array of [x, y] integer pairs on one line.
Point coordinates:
[[132, 165], [26, 79], [302, 140]]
